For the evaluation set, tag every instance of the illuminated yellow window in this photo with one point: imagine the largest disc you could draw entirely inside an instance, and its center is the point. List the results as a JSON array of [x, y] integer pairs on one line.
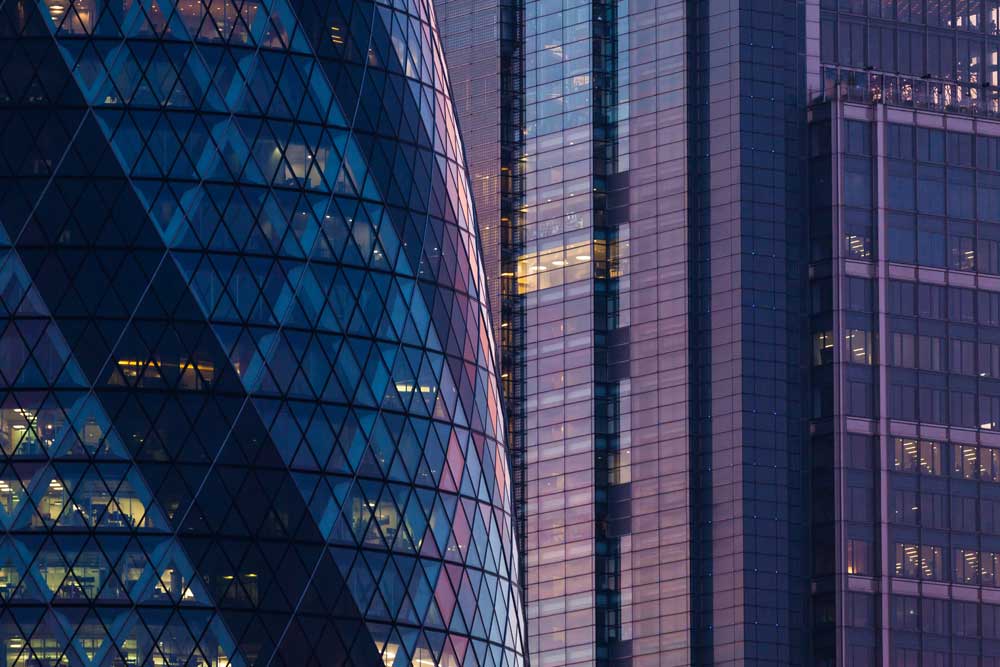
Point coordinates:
[[558, 266]]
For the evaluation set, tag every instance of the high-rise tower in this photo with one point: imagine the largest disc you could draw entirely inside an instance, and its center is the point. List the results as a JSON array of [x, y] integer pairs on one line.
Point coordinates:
[[250, 405], [905, 395], [663, 277]]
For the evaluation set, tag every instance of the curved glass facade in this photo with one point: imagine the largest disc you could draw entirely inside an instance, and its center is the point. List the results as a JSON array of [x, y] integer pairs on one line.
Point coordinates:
[[249, 412]]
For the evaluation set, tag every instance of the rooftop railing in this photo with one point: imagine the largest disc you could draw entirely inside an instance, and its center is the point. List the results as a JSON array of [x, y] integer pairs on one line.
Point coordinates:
[[865, 87]]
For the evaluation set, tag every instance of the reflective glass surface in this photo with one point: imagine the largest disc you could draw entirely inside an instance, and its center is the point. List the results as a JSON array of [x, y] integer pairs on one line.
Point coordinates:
[[250, 412], [905, 405]]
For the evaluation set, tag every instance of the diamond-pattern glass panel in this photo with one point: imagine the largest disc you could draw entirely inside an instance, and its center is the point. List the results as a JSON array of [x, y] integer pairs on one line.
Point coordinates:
[[249, 411]]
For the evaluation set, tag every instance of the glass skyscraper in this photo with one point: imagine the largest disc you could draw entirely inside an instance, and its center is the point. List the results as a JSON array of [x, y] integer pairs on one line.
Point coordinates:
[[250, 406], [660, 346], [903, 152], [756, 331]]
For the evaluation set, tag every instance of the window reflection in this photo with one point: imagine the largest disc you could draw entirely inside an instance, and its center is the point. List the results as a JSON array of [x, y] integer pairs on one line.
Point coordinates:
[[90, 504], [619, 466], [859, 557], [988, 568], [989, 412], [966, 566], [73, 16], [905, 507], [242, 588], [858, 246], [859, 348], [902, 349], [923, 456], [394, 655], [930, 353], [932, 562], [823, 348], [211, 20], [920, 561], [963, 253], [26, 432], [565, 264], [186, 373], [964, 461], [10, 577], [989, 464], [379, 519], [42, 651]]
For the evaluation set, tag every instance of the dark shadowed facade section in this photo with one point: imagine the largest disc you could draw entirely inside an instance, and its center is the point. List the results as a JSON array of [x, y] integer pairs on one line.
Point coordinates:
[[250, 411], [751, 555]]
